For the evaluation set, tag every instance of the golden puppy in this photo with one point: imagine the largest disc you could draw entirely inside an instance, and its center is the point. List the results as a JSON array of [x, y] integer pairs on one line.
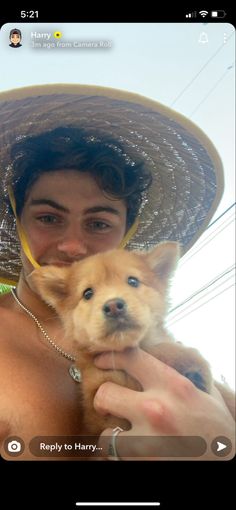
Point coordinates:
[[111, 301]]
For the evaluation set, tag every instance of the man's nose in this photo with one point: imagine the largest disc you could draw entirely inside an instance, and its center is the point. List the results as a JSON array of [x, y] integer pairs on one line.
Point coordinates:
[[72, 243]]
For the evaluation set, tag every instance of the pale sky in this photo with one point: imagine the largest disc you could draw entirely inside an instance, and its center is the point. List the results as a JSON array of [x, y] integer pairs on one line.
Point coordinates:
[[172, 64]]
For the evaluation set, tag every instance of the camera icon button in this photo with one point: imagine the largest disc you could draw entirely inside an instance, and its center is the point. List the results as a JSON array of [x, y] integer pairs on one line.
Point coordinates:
[[14, 446]]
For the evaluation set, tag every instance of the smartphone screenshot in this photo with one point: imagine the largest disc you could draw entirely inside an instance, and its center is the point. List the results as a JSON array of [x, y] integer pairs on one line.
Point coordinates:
[[117, 258]]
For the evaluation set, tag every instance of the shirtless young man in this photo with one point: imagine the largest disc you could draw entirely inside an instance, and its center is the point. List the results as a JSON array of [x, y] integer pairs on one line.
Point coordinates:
[[38, 397], [68, 212]]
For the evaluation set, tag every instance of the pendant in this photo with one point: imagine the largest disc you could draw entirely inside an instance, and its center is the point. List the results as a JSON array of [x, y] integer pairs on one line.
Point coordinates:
[[75, 373]]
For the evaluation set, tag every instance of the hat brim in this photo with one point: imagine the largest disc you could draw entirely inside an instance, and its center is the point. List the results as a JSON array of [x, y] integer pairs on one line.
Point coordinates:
[[187, 170]]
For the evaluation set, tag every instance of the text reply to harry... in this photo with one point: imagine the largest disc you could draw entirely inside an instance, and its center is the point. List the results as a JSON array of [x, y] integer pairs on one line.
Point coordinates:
[[66, 447], [63, 446]]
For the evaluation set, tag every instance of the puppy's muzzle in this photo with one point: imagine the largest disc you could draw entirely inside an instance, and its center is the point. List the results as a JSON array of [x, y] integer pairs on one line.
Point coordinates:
[[115, 308]]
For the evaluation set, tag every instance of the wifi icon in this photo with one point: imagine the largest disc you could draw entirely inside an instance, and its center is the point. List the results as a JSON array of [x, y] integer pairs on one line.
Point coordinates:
[[203, 13]]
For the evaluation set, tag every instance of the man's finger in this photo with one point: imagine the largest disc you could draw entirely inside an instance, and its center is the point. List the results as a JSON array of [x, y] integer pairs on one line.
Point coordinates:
[[148, 370], [114, 399]]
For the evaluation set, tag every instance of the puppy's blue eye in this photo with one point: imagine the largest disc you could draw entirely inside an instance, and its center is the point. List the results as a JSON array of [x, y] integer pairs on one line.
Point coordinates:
[[88, 293], [134, 282]]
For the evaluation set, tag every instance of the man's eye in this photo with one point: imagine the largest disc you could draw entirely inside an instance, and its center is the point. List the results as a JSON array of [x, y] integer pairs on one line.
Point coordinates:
[[98, 225], [48, 218]]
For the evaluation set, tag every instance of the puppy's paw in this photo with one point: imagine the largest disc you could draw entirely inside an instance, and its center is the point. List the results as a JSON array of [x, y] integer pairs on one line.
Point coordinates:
[[187, 361], [201, 380]]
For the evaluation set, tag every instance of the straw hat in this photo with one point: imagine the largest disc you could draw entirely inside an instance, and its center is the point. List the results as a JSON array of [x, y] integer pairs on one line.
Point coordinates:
[[187, 171]]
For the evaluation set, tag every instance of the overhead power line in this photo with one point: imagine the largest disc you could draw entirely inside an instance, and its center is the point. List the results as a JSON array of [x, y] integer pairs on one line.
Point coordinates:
[[200, 306], [211, 90], [221, 215], [212, 234], [205, 287], [182, 312], [199, 72], [204, 242]]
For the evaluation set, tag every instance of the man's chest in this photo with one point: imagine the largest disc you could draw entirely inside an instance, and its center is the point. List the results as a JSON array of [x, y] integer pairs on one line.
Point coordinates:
[[39, 395]]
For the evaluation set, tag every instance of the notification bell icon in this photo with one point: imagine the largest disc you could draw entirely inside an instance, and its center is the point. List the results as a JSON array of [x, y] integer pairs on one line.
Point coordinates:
[[203, 38]]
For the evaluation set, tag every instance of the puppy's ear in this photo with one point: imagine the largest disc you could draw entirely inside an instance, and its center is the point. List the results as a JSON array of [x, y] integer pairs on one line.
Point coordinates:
[[51, 283], [163, 260]]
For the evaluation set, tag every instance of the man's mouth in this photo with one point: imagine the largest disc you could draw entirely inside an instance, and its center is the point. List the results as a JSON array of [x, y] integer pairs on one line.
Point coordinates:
[[61, 264], [58, 264]]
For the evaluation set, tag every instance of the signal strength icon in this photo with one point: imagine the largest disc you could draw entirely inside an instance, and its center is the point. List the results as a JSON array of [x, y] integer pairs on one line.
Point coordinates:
[[203, 13], [191, 15]]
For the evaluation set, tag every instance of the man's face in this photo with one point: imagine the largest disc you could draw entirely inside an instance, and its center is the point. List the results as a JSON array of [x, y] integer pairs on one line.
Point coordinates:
[[66, 217], [15, 39]]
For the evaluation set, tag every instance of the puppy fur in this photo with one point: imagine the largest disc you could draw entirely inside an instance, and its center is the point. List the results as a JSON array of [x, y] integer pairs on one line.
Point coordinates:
[[112, 301]]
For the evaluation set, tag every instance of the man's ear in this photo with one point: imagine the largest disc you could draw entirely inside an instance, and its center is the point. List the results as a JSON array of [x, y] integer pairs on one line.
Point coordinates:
[[163, 260], [52, 284]]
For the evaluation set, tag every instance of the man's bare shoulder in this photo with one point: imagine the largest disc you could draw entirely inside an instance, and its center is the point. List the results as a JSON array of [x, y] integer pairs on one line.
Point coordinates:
[[8, 345], [8, 394], [5, 431], [7, 320], [5, 305], [6, 325], [5, 299]]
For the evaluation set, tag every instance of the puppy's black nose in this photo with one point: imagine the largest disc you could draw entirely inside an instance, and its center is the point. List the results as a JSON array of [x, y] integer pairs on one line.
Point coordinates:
[[114, 308]]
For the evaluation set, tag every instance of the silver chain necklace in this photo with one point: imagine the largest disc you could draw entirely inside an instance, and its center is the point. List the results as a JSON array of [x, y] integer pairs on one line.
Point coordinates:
[[73, 371]]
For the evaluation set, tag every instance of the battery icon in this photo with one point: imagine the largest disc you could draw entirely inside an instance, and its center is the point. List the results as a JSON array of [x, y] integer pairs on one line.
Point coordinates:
[[218, 14]]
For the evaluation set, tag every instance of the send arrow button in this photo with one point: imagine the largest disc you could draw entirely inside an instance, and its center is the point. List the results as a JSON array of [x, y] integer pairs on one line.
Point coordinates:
[[221, 446]]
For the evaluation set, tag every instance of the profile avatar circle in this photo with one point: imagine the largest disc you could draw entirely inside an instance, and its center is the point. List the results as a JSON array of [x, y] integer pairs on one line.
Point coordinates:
[[15, 38]]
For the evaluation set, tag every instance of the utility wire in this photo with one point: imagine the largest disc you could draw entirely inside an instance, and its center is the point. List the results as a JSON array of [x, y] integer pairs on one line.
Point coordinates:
[[182, 312], [211, 283], [221, 215], [189, 309], [205, 287], [219, 229], [200, 306], [202, 243], [199, 72], [211, 90], [205, 242]]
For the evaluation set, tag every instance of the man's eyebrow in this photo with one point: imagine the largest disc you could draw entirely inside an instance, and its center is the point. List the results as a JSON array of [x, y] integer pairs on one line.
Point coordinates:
[[59, 207], [102, 208], [47, 201]]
